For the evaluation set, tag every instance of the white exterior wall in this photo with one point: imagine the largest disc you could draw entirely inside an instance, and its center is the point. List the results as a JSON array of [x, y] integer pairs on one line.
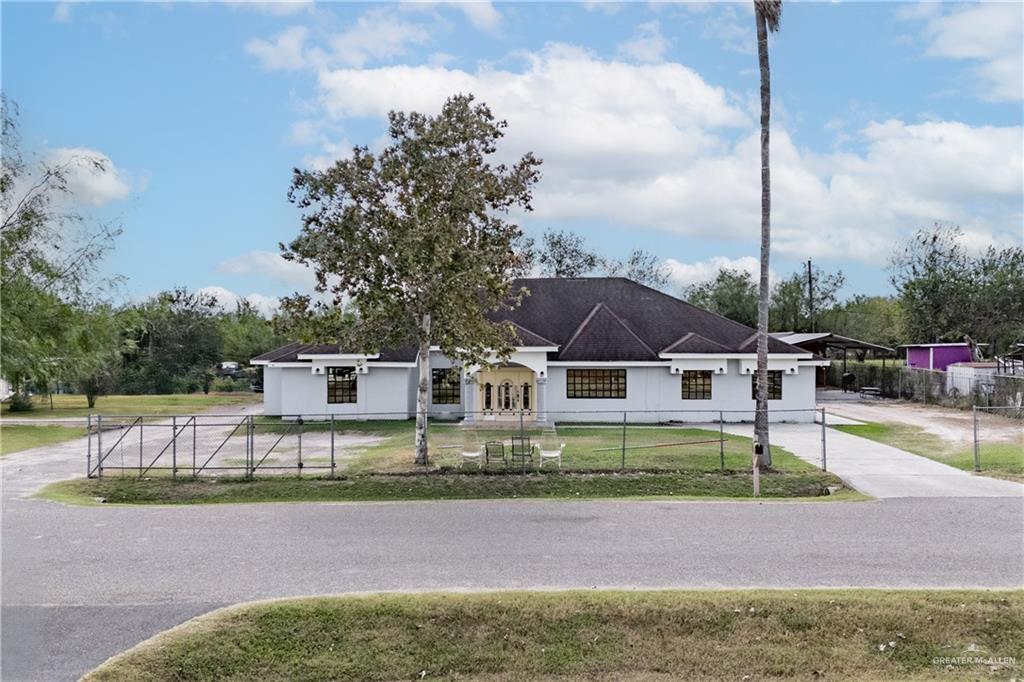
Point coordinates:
[[659, 392], [653, 393], [381, 393]]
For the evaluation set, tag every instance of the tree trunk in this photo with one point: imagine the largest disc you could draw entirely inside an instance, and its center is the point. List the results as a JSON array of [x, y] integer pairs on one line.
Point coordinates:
[[90, 399], [761, 407], [423, 392]]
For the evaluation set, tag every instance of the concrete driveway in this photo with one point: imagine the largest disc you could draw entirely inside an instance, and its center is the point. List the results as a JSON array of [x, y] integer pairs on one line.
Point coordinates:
[[82, 584], [881, 470]]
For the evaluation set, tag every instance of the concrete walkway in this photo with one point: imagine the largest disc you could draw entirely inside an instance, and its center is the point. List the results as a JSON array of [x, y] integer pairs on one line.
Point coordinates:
[[882, 470]]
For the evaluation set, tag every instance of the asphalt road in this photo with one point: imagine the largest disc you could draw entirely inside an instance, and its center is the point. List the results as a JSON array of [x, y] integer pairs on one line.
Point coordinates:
[[80, 584]]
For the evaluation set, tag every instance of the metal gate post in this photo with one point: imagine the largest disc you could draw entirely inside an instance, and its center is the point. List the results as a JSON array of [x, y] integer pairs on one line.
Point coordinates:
[[88, 446], [332, 446], [623, 465], [193, 446], [252, 447], [977, 453], [824, 461], [141, 419], [99, 446], [721, 441], [174, 447], [300, 446]]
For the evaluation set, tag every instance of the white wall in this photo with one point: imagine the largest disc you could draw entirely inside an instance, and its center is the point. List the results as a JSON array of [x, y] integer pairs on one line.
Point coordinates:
[[656, 390], [272, 390], [382, 393]]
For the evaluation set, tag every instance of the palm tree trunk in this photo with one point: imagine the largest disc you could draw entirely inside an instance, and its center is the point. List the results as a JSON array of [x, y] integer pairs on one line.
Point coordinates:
[[761, 406], [422, 391]]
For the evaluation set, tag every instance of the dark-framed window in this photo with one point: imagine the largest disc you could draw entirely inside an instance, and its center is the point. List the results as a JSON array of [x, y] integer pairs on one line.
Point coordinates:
[[774, 385], [595, 383], [341, 385], [696, 384], [445, 386]]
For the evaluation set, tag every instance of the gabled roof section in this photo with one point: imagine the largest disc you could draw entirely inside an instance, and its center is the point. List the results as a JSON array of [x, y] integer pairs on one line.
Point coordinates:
[[286, 353], [695, 343], [526, 338], [603, 335]]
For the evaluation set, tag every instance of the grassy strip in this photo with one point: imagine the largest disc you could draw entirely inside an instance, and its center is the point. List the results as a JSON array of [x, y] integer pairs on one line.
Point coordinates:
[[14, 437], [67, 405], [652, 635], [998, 459], [434, 486]]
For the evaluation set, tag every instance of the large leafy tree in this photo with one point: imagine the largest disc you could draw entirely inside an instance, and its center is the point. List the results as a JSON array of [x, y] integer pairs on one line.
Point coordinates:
[[565, 253], [245, 333], [418, 237], [49, 254], [95, 343], [640, 266], [767, 14], [797, 303], [947, 293], [732, 294]]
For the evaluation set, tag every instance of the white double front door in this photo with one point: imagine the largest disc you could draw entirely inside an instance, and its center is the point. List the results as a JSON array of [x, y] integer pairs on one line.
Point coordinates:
[[505, 392]]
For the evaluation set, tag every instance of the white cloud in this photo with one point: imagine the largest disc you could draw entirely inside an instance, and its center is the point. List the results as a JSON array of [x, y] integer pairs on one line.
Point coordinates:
[[285, 52], [603, 6], [687, 274], [92, 177], [228, 300], [376, 35], [681, 155], [647, 46], [988, 34], [481, 13], [62, 12], [272, 266], [281, 8]]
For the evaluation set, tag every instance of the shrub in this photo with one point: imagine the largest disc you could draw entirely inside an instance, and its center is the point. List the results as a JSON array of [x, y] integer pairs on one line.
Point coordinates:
[[20, 402]]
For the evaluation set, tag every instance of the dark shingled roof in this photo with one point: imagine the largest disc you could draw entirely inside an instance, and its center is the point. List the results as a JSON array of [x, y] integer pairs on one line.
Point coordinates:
[[601, 319]]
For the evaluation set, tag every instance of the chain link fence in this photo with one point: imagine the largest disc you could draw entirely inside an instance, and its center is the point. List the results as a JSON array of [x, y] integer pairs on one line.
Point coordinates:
[[251, 445]]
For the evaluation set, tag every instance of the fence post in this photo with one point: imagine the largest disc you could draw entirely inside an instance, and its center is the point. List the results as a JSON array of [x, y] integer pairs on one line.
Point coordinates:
[[174, 447], [623, 466], [332, 446], [141, 420], [824, 451], [193, 446], [977, 453], [99, 446], [300, 446], [88, 445], [721, 441]]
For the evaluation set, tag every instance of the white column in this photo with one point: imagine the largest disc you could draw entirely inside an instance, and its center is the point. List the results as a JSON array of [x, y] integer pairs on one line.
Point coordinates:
[[469, 398], [542, 399]]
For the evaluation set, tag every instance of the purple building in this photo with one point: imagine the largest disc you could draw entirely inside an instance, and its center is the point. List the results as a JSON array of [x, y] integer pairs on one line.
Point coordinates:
[[936, 355]]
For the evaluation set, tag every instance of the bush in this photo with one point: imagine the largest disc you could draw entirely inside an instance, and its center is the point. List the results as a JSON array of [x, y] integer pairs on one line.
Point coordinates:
[[229, 385], [20, 402]]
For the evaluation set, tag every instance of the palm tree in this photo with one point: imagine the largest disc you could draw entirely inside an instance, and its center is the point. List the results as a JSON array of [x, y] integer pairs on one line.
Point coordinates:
[[767, 14]]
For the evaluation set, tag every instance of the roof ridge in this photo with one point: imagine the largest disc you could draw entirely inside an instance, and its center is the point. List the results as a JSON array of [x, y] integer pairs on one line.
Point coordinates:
[[629, 329], [583, 325], [618, 320], [686, 337], [530, 331]]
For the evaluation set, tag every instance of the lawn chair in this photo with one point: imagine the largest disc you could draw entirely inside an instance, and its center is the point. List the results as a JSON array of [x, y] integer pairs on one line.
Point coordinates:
[[550, 454], [493, 451], [522, 451], [471, 450]]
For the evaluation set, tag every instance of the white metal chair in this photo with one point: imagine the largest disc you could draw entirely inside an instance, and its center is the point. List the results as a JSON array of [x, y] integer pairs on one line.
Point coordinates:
[[476, 456], [551, 455]]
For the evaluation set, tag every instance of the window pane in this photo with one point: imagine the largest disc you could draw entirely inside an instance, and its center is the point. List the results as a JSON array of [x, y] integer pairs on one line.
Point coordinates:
[[696, 384], [774, 385], [341, 385], [595, 383], [446, 386]]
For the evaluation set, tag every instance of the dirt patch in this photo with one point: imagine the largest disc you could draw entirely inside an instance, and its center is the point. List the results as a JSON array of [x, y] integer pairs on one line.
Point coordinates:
[[955, 426]]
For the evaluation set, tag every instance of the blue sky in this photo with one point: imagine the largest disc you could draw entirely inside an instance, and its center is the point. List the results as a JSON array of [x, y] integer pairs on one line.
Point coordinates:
[[887, 117]]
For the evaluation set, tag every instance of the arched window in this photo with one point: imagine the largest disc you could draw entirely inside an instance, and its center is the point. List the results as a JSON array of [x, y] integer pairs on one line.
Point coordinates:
[[488, 404], [526, 397], [505, 396]]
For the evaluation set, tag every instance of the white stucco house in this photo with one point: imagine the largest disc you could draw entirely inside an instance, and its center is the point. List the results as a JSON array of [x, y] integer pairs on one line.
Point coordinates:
[[590, 349]]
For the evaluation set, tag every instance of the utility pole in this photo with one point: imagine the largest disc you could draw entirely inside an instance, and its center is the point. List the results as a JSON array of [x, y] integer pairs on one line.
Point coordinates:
[[810, 295]]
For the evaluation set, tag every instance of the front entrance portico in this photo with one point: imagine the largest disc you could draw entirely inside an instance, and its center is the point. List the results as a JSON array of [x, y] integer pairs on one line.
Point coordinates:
[[504, 392]]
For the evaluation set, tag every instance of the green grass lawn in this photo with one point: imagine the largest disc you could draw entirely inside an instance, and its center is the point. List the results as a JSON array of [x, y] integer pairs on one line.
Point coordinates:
[[65, 405], [161, 489], [999, 459], [587, 448], [645, 635], [14, 438]]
